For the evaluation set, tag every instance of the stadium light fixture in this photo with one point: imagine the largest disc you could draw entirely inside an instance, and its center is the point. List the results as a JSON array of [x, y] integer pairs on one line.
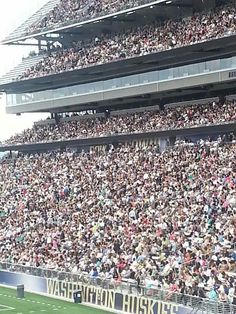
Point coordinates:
[[52, 35], [130, 13]]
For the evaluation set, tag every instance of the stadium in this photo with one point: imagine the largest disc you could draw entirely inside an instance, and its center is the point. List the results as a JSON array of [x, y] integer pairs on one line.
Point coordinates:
[[124, 199]]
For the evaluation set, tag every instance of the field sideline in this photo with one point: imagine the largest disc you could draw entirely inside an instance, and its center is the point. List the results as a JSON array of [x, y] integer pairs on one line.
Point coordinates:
[[36, 304]]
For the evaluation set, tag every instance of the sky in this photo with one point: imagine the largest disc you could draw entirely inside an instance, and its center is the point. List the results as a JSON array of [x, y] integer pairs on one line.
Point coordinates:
[[12, 14]]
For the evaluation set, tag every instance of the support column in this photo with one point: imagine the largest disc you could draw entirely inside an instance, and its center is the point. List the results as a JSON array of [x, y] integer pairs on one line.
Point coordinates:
[[39, 45], [172, 140]]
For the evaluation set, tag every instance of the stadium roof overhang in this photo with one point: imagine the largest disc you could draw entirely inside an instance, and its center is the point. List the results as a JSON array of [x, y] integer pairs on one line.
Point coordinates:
[[209, 50], [161, 9]]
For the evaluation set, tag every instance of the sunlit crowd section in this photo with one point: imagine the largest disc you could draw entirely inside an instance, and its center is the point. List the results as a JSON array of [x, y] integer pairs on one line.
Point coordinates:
[[165, 219]]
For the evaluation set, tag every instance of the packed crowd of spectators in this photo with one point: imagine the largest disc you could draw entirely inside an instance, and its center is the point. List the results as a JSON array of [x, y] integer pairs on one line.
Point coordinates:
[[166, 220], [72, 11], [170, 118], [138, 42]]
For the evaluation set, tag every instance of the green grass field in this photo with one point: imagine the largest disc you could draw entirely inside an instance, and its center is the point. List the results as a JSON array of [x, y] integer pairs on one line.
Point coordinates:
[[36, 304]]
